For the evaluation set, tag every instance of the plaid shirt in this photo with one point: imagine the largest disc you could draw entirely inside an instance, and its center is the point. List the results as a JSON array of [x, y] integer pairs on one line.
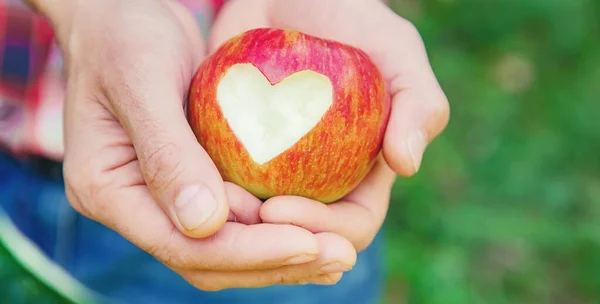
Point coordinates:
[[31, 80]]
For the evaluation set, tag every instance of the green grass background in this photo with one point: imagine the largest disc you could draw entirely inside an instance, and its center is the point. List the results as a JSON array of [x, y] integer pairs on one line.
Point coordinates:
[[506, 208]]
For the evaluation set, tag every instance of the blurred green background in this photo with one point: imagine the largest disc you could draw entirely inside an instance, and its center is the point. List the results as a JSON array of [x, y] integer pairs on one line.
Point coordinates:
[[506, 208]]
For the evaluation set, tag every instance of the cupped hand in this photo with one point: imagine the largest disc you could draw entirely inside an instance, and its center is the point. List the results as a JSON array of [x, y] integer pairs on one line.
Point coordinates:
[[420, 109], [133, 164]]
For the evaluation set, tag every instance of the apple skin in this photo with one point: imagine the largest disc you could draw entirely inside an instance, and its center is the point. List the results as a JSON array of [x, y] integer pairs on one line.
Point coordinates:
[[331, 159]]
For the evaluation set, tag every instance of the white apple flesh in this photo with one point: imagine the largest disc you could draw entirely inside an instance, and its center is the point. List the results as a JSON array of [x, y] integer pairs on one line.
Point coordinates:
[[269, 119]]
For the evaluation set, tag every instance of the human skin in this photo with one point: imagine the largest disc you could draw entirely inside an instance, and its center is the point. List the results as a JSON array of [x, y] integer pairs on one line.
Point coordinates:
[[132, 162], [420, 110]]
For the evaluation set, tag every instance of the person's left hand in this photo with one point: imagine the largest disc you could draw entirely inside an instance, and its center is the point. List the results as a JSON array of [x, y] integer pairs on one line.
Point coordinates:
[[420, 109]]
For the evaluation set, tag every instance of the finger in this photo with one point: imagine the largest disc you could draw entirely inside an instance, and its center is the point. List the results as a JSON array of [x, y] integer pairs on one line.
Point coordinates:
[[337, 256], [244, 206], [227, 280], [358, 217], [327, 279], [103, 182], [420, 109], [191, 29], [148, 101], [235, 246], [248, 14]]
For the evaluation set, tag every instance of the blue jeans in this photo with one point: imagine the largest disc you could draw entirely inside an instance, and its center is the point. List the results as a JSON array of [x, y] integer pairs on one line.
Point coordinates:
[[33, 197]]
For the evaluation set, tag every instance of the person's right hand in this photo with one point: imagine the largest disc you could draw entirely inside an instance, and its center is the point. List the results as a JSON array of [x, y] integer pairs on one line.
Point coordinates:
[[133, 164]]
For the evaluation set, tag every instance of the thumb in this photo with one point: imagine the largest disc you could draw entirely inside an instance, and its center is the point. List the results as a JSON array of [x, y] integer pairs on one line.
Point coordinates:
[[178, 172]]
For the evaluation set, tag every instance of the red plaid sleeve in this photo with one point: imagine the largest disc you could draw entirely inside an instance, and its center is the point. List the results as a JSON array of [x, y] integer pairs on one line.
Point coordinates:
[[25, 41], [31, 84], [217, 4]]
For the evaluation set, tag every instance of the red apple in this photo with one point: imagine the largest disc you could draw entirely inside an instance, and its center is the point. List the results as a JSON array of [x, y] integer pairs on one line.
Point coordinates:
[[285, 113]]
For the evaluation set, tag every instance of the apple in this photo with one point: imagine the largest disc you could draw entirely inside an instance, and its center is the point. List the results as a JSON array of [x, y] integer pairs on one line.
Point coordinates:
[[281, 112]]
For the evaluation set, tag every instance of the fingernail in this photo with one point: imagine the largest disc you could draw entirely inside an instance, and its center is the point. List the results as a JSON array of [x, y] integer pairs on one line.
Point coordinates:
[[334, 267], [194, 206], [416, 147], [301, 259]]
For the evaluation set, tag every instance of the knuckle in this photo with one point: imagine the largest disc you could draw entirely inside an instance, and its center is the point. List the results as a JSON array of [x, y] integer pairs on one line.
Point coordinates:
[[171, 258], [81, 187], [365, 237], [162, 165], [442, 107], [410, 29], [162, 249], [280, 277], [440, 113], [74, 200], [364, 242], [293, 275]]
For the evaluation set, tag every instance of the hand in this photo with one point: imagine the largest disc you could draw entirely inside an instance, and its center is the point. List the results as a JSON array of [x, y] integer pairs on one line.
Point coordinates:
[[133, 164], [419, 107]]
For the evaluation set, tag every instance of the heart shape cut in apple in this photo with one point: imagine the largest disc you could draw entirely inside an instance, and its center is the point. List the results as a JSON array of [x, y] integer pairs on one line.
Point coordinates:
[[269, 119], [284, 113]]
